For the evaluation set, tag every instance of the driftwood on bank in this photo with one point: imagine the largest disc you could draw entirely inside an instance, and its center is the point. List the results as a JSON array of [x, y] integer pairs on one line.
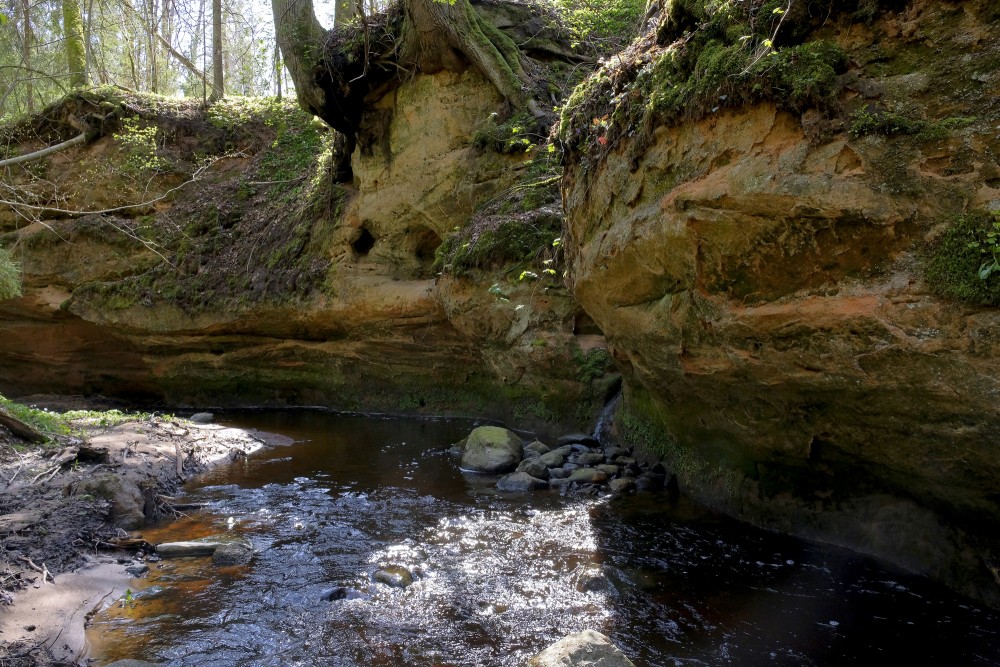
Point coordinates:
[[18, 427]]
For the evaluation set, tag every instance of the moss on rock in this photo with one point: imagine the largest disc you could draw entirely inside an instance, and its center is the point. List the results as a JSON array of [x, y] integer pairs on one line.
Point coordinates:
[[958, 259]]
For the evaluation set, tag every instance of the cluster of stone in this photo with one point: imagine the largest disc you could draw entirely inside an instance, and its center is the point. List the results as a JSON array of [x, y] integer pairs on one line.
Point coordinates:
[[574, 464]]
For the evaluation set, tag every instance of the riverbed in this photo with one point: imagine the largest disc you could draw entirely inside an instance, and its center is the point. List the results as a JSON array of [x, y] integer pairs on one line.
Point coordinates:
[[497, 577]]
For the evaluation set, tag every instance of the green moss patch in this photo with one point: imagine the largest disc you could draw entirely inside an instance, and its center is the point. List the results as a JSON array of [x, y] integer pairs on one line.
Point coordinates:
[[707, 55], [959, 262], [518, 229]]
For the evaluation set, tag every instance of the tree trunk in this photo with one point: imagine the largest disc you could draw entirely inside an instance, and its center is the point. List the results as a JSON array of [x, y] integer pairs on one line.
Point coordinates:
[[463, 29], [218, 83], [436, 35], [301, 38], [26, 55], [76, 52]]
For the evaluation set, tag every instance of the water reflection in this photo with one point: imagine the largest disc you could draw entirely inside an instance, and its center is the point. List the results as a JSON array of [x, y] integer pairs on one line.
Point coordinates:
[[495, 577]]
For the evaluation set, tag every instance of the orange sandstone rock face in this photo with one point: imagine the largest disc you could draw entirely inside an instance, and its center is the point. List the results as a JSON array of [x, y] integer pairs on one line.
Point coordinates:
[[376, 332], [763, 289]]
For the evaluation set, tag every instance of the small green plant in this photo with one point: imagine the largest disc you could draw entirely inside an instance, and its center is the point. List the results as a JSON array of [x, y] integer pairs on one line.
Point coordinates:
[[518, 134], [10, 276], [138, 141], [49, 423], [592, 365], [989, 247], [964, 263], [128, 600]]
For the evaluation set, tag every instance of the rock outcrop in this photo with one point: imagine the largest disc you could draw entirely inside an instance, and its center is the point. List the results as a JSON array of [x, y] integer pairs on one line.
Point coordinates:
[[265, 282], [763, 276]]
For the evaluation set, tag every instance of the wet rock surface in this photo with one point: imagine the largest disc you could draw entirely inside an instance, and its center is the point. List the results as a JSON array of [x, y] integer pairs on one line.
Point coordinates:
[[585, 649]]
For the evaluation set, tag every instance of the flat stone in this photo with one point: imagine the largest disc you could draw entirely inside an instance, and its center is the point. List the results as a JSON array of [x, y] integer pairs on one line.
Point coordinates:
[[520, 481], [590, 458], [585, 649], [588, 476], [204, 546], [579, 438]]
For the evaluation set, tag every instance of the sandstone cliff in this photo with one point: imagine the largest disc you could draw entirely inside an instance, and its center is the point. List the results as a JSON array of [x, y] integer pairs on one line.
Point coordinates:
[[264, 281], [789, 281]]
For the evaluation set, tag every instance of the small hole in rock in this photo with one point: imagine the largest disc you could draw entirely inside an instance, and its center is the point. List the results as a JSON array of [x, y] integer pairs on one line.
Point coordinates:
[[364, 243]]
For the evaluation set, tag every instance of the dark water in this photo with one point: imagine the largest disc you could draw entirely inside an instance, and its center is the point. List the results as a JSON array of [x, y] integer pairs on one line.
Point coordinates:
[[498, 577]]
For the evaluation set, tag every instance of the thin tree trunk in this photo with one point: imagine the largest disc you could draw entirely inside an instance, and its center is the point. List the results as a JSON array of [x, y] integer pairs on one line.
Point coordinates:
[[277, 68], [218, 83], [87, 36], [26, 54], [76, 55], [150, 45]]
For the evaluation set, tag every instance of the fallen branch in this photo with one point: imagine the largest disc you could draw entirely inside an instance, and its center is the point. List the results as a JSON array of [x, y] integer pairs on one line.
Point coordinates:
[[75, 141], [19, 428], [43, 570], [48, 471]]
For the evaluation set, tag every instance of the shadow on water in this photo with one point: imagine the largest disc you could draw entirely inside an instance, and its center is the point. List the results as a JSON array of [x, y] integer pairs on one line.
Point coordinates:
[[498, 577]]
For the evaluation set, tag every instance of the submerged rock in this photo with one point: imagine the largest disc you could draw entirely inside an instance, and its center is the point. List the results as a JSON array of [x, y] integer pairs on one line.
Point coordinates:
[[492, 449], [233, 553], [623, 485], [342, 593], [585, 649], [394, 576], [204, 546], [521, 481], [138, 570]]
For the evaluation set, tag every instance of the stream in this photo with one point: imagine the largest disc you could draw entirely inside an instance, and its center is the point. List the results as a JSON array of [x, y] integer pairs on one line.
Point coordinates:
[[498, 577]]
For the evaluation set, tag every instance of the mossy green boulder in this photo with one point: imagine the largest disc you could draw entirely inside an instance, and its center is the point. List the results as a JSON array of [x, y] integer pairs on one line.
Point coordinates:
[[492, 449]]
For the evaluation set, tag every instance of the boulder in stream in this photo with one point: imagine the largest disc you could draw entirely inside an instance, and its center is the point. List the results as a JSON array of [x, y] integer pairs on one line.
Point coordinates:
[[584, 649], [492, 449], [394, 576]]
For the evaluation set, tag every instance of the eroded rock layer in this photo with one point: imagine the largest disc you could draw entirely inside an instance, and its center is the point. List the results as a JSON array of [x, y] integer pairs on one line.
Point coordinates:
[[763, 279]]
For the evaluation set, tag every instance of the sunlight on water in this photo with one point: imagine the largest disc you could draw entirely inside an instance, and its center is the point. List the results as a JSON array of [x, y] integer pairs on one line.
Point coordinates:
[[494, 578]]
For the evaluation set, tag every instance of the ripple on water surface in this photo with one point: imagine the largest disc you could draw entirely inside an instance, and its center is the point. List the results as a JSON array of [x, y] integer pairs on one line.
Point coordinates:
[[497, 577]]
